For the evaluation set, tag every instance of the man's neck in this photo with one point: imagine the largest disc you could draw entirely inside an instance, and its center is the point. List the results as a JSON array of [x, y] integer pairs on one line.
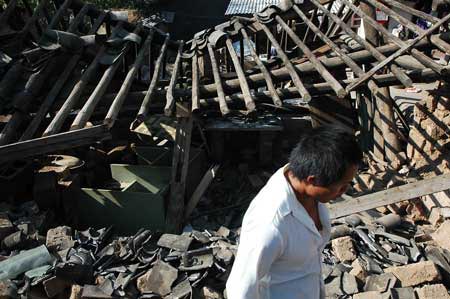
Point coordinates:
[[310, 204]]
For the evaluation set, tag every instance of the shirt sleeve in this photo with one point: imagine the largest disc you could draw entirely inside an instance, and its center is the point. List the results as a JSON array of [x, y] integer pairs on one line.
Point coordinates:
[[257, 251]]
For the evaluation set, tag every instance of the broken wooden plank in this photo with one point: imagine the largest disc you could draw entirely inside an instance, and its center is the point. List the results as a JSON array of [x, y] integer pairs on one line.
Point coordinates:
[[390, 196], [200, 190], [56, 142]]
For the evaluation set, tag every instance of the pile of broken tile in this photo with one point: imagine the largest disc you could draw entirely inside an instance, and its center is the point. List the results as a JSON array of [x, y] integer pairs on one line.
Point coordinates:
[[387, 258], [96, 264]]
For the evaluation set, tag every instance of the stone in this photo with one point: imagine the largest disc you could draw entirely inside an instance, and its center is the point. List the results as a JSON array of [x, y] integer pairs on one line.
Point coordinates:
[[358, 270], [6, 226], [8, 290], [344, 249], [349, 284], [402, 293], [433, 130], [441, 236], [435, 291], [443, 103], [369, 295], [159, 279], [54, 286], [210, 293], [76, 292], [420, 112], [380, 283], [415, 274], [59, 238], [368, 182], [435, 217]]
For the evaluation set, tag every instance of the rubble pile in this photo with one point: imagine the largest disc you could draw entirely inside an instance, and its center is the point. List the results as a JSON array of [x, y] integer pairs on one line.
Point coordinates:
[[429, 136], [96, 264], [387, 257]]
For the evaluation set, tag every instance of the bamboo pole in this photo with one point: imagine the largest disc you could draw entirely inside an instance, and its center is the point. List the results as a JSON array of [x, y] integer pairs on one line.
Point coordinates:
[[153, 83], [88, 108], [170, 100], [337, 87], [263, 69], [249, 103], [217, 81], [288, 64], [57, 87], [57, 122]]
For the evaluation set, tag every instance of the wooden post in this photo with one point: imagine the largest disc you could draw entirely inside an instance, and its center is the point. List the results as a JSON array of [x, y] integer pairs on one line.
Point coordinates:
[[180, 165]]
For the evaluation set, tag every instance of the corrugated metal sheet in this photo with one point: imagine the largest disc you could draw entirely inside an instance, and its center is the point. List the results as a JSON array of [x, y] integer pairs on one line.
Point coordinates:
[[241, 7]]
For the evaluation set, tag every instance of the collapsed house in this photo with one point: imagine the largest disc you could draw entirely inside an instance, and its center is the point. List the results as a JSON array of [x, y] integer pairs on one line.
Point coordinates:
[[105, 122]]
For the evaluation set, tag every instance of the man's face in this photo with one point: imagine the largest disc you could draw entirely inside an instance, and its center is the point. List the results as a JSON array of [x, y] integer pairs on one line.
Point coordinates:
[[325, 194]]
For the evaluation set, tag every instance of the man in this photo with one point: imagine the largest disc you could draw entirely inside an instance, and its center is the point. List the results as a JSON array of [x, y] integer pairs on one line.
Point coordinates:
[[287, 224]]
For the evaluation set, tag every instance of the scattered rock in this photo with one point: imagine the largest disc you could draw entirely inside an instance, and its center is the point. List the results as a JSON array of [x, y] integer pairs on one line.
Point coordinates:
[[435, 291], [76, 292], [441, 236], [59, 238], [415, 274], [369, 295], [358, 270], [159, 279], [343, 248]]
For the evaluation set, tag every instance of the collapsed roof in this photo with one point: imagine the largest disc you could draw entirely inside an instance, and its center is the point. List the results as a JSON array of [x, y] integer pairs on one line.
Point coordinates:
[[62, 85]]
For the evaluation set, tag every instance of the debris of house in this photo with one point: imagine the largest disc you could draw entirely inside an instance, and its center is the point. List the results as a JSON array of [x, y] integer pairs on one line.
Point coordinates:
[[123, 137]]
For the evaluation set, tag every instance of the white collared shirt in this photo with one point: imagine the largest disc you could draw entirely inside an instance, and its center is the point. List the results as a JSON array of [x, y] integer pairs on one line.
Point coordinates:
[[279, 255]]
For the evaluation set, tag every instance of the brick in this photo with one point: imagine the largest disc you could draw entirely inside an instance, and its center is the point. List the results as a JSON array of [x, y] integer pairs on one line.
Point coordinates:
[[435, 291], [415, 274], [431, 102], [441, 236], [59, 238], [369, 295], [343, 248]]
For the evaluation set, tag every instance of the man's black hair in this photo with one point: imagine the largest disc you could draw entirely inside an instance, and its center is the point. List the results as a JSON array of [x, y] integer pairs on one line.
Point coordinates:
[[325, 152]]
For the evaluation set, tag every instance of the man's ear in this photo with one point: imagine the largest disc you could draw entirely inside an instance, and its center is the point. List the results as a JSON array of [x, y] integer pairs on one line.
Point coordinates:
[[311, 180]]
